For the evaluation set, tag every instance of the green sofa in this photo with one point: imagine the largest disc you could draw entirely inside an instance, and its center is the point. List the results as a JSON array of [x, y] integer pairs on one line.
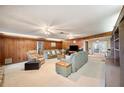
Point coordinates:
[[77, 59]]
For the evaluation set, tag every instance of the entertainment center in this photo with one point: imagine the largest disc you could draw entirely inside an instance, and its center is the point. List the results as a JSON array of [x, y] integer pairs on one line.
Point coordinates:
[[117, 45]]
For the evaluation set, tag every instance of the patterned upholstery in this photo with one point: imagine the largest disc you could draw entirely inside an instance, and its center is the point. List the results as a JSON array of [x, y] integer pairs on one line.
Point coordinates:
[[55, 53], [33, 55]]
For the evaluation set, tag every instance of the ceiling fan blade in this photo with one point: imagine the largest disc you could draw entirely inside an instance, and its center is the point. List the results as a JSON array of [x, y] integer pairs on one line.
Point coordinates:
[[23, 20], [53, 23], [63, 29], [32, 31]]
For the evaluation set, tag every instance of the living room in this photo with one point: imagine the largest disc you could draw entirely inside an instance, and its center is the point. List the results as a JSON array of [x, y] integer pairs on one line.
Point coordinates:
[[61, 51]]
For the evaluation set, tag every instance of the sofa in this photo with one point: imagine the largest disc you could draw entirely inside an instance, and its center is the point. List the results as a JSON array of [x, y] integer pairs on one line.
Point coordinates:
[[34, 56], [54, 53], [77, 60]]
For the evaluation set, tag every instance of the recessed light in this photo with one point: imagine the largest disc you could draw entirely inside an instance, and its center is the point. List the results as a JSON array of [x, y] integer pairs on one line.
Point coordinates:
[[48, 29]]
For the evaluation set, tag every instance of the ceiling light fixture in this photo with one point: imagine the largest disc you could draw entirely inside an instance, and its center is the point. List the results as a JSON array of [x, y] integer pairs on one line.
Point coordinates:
[[54, 39], [70, 36], [46, 30], [74, 41]]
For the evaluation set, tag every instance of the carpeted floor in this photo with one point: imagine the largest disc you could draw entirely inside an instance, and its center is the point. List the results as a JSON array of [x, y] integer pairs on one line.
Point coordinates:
[[91, 74], [112, 75]]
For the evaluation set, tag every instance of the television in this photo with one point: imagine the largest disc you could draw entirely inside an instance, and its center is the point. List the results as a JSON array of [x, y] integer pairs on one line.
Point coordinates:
[[73, 48]]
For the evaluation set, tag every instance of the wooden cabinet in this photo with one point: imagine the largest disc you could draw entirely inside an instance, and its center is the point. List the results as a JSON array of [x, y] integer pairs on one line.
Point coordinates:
[[121, 36], [115, 47]]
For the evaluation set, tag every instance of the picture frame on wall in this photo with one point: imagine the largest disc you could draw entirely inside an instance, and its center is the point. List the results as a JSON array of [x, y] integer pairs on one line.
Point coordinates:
[[53, 44]]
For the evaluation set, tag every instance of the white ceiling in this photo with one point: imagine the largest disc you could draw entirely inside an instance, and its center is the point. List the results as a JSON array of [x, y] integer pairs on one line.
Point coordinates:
[[73, 20]]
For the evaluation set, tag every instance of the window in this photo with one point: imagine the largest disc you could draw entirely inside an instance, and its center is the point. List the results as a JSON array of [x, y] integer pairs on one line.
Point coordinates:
[[53, 44]]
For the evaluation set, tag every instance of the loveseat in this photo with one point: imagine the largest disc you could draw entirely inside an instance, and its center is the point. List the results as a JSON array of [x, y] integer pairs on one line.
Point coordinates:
[[34, 56], [77, 60]]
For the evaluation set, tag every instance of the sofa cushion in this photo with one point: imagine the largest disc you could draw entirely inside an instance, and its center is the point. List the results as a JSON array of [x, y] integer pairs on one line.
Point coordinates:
[[58, 52], [48, 52], [77, 60], [53, 52]]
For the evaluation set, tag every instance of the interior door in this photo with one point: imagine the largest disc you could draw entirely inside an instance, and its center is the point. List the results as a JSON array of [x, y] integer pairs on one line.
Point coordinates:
[[86, 46]]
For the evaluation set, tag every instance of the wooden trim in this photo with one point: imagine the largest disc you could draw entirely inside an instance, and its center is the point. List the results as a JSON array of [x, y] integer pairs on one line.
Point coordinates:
[[95, 36], [51, 41], [27, 38], [98, 35], [19, 37]]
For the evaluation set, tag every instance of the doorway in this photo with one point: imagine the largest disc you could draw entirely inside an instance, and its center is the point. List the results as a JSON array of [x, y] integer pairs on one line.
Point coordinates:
[[86, 46], [99, 47], [39, 47]]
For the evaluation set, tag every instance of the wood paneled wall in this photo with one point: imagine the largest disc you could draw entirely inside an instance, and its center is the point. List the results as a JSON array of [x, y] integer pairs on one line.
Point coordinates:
[[97, 35], [67, 43], [47, 45], [17, 47], [80, 41], [1, 50]]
